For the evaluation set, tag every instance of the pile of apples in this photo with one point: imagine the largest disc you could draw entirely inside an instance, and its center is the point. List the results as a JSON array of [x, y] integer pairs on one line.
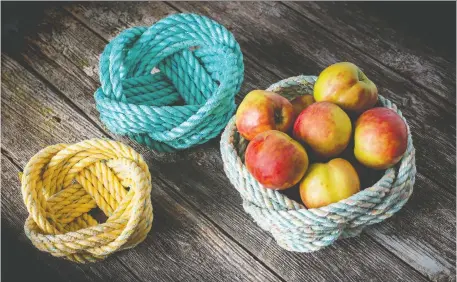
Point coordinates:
[[303, 141]]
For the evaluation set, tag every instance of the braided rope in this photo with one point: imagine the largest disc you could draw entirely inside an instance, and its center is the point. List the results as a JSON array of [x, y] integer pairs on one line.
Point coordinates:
[[297, 228], [199, 63], [62, 183]]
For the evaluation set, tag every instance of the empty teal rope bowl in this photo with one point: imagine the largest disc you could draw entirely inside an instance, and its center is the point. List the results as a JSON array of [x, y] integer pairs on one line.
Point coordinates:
[[292, 225], [170, 86]]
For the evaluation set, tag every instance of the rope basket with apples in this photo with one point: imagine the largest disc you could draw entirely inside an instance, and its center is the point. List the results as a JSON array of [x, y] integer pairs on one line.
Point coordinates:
[[316, 159]]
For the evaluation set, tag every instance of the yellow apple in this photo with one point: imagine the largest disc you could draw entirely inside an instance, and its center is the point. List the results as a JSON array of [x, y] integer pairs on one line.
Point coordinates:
[[347, 86], [326, 183]]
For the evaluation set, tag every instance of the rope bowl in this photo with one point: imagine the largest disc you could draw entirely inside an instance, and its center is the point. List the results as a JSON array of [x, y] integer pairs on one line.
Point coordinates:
[[170, 86], [293, 226], [62, 184]]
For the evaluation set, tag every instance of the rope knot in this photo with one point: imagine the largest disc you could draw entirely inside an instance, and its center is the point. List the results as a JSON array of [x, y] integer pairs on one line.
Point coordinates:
[[172, 85], [63, 183]]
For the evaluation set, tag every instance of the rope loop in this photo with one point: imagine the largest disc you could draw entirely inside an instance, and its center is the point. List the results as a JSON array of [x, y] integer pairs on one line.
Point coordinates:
[[172, 85]]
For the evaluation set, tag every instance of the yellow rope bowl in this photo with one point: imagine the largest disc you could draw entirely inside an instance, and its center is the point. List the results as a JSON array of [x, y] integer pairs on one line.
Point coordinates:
[[62, 183]]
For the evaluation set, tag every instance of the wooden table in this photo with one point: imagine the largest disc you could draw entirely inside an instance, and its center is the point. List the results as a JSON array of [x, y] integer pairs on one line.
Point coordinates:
[[200, 232]]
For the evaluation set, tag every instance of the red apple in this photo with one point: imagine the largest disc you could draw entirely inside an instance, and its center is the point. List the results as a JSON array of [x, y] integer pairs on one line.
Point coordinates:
[[380, 138], [261, 111], [276, 160], [325, 127]]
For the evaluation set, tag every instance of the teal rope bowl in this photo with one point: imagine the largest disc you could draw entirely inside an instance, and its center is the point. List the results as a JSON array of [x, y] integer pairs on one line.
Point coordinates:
[[293, 226], [170, 86]]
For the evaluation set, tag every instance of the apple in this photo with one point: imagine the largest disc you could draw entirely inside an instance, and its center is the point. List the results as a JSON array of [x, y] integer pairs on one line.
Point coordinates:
[[275, 160], [261, 111], [325, 128], [326, 183], [301, 102], [380, 138], [347, 86]]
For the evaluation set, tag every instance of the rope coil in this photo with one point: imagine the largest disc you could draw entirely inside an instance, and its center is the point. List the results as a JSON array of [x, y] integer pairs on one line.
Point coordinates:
[[62, 183], [196, 61], [296, 228]]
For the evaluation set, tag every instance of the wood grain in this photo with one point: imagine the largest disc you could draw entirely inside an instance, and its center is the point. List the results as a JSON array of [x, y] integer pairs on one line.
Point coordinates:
[[375, 250], [101, 12], [378, 38], [183, 245], [196, 176]]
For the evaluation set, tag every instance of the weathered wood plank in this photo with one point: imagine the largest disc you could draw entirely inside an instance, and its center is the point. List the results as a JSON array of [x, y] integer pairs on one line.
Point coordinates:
[[24, 262], [377, 37], [423, 234], [183, 245], [427, 19], [197, 156], [208, 161]]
